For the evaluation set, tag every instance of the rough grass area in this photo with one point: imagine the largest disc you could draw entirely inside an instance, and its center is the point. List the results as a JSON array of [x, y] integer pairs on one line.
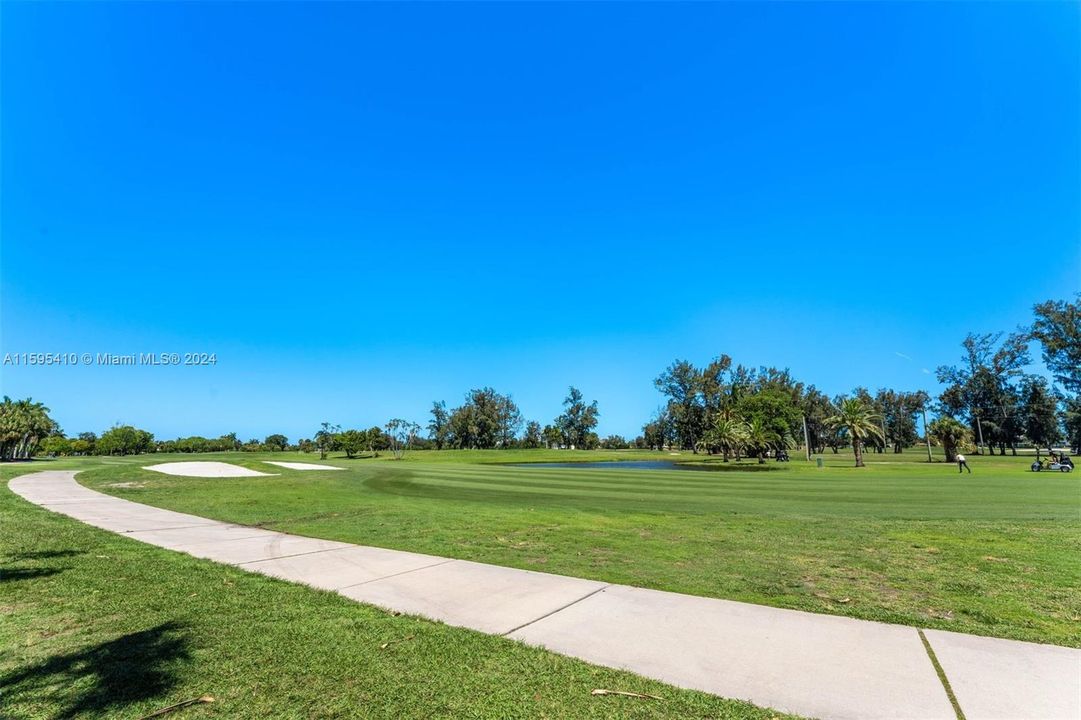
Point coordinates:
[[902, 541], [99, 626]]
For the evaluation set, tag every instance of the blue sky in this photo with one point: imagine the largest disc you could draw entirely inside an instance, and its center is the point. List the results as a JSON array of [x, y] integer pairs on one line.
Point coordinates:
[[363, 207]]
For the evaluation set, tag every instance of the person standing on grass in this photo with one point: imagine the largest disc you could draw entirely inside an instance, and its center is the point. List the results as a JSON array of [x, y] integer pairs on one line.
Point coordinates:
[[962, 464]]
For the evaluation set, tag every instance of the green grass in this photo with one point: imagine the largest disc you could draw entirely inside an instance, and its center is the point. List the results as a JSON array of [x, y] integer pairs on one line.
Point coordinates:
[[97, 625], [902, 541]]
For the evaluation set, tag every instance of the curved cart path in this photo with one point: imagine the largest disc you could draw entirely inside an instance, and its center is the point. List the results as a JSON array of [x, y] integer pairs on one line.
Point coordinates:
[[815, 665]]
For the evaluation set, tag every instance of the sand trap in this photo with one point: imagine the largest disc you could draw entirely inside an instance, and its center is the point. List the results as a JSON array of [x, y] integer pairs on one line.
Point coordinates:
[[302, 466], [204, 469]]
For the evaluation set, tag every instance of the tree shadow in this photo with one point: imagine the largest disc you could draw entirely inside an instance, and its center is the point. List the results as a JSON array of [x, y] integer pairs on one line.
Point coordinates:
[[16, 574], [109, 676], [46, 554]]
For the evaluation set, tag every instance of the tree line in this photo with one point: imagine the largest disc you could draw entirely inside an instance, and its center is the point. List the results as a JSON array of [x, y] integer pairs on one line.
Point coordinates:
[[732, 410], [489, 420], [990, 401], [999, 403], [485, 420]]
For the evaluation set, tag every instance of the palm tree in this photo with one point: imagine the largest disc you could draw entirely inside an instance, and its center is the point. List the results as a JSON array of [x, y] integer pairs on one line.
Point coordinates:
[[23, 425], [950, 434], [856, 418], [728, 433], [759, 437]]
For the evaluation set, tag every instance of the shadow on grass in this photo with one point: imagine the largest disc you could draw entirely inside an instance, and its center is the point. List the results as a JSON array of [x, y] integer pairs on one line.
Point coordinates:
[[16, 574], [47, 554], [109, 676]]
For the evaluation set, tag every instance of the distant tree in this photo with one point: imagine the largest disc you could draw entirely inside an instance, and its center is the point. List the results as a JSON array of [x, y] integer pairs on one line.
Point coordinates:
[[377, 440], [80, 447], [91, 439], [510, 420], [877, 442], [759, 437], [326, 438], [422, 443], [532, 438], [400, 434], [552, 436], [462, 429], [144, 441], [56, 445], [578, 419], [659, 432], [1072, 423], [192, 444], [817, 409], [305, 446], [681, 383], [1040, 411], [482, 421], [438, 427], [983, 388], [899, 411], [230, 442], [727, 434], [277, 442], [125, 440], [23, 425], [351, 442], [951, 434], [857, 419], [714, 388], [1058, 328], [776, 409], [615, 442]]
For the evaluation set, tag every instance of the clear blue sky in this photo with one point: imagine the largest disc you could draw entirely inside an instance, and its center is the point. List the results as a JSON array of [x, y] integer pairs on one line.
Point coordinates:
[[363, 207]]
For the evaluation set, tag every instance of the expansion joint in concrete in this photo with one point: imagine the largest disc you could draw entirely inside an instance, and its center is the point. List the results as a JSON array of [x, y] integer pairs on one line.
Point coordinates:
[[557, 610], [941, 675]]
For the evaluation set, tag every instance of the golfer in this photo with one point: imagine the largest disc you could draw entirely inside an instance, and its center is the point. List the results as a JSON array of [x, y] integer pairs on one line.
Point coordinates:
[[962, 465]]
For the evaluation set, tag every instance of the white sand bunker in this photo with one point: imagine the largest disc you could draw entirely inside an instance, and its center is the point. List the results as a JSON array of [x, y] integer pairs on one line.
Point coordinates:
[[302, 466], [204, 469]]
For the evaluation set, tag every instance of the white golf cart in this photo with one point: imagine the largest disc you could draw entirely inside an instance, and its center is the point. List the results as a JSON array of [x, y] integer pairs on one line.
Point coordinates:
[[1063, 464]]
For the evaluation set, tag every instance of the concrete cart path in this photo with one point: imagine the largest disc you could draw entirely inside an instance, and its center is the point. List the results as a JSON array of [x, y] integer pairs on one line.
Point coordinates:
[[814, 665]]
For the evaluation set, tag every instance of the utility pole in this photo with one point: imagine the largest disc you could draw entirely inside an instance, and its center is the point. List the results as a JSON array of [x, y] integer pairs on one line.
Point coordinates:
[[926, 434], [806, 440], [979, 431]]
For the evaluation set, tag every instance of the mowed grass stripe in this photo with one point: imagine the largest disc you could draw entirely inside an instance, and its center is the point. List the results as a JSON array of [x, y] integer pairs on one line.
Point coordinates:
[[465, 489], [586, 486], [573, 483], [887, 496]]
